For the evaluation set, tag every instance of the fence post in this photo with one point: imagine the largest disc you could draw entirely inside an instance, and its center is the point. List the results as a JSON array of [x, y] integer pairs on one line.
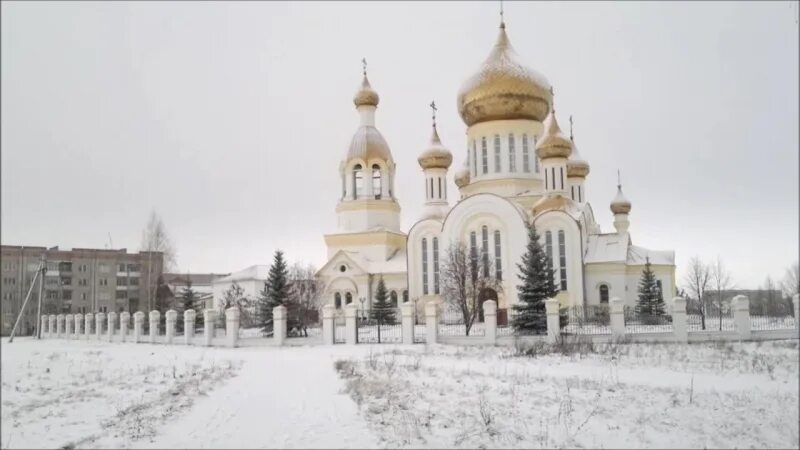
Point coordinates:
[[796, 301], [679, 320], [350, 312], [407, 314], [112, 323], [553, 324], [78, 325], [208, 326], [59, 325], [490, 321], [155, 318], [100, 319], [741, 315], [138, 325], [431, 322], [172, 317], [124, 319], [68, 326], [617, 318], [232, 325], [51, 321], [88, 321], [279, 324], [328, 329], [189, 317]]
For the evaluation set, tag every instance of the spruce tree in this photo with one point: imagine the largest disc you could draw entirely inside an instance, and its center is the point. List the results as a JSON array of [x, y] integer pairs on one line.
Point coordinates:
[[190, 301], [263, 310], [650, 304], [277, 290], [382, 310], [537, 285]]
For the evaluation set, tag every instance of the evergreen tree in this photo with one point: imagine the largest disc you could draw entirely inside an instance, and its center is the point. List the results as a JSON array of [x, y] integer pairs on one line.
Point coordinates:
[[190, 300], [277, 293], [537, 285], [263, 310], [650, 304], [382, 310]]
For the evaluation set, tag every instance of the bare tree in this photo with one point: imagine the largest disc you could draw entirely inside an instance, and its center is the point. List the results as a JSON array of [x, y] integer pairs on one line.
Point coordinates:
[[305, 294], [791, 280], [697, 281], [466, 276], [720, 281], [156, 239]]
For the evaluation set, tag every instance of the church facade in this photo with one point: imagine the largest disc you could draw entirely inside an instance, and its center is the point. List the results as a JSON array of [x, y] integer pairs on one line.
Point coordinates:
[[519, 169]]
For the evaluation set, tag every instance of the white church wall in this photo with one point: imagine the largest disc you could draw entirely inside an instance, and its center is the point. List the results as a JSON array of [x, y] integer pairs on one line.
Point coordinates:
[[612, 275], [555, 221], [427, 229]]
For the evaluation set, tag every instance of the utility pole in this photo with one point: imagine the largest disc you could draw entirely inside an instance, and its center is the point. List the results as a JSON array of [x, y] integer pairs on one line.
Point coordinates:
[[42, 270], [40, 275]]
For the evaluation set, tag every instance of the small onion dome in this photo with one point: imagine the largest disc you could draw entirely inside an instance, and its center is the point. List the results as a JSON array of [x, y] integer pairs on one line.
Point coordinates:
[[366, 95], [620, 204], [436, 156], [554, 144], [504, 89], [462, 175], [368, 143], [576, 166], [552, 202]]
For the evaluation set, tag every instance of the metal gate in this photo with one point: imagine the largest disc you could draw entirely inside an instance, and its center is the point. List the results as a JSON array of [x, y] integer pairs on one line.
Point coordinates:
[[339, 327], [379, 326]]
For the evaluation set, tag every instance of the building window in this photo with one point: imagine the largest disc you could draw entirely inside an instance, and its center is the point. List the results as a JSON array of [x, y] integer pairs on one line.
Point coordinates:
[[512, 154], [337, 300], [562, 259], [573, 191], [376, 181], [526, 163], [122, 281], [133, 267], [358, 181], [552, 177], [102, 281], [485, 250], [440, 187], [121, 268], [474, 159], [348, 298], [496, 153], [405, 296], [103, 268], [133, 281], [122, 294], [484, 156], [548, 247], [580, 195], [435, 265], [561, 170], [83, 295], [393, 297], [498, 265], [603, 293], [431, 180], [424, 266]]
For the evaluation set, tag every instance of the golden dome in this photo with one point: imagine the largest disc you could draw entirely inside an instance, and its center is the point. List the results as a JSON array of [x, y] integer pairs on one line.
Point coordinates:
[[437, 155], [576, 166], [504, 89], [462, 175], [366, 95], [552, 202], [620, 204], [553, 144], [368, 143]]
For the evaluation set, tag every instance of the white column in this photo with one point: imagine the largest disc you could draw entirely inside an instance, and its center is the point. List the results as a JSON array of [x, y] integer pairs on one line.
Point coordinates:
[[60, 326], [45, 331], [796, 301], [88, 321], [68, 326], [490, 321], [232, 326], [155, 317], [279, 324], [617, 318], [172, 317], [112, 324], [78, 325], [553, 324], [432, 322], [350, 312], [138, 325], [679, 320], [188, 326], [741, 315], [100, 320], [407, 313], [124, 320], [328, 327], [208, 327], [51, 319]]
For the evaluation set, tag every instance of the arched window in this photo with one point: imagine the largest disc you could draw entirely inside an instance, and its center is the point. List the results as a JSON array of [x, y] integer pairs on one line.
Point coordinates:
[[405, 296], [535, 158], [496, 153], [439, 179], [573, 191], [484, 156], [424, 266], [485, 250], [376, 181], [512, 154], [474, 159], [348, 298], [562, 259], [337, 300], [435, 265], [431, 180], [548, 247], [358, 181], [603, 293], [498, 265], [561, 170], [553, 178], [393, 298], [526, 162], [473, 253]]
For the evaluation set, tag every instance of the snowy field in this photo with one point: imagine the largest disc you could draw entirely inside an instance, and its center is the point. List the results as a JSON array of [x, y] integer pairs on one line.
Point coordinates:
[[90, 394]]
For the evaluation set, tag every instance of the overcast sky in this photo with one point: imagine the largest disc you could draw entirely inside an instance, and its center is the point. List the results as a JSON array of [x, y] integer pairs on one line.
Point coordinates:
[[230, 119]]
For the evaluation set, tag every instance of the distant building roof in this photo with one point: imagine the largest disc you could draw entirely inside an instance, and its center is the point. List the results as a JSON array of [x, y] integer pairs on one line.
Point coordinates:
[[255, 272], [195, 278]]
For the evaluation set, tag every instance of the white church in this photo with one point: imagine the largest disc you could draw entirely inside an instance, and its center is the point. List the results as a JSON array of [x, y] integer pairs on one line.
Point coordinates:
[[519, 169]]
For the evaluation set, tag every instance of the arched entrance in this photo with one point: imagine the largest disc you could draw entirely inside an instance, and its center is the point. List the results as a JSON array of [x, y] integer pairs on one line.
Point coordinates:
[[486, 294]]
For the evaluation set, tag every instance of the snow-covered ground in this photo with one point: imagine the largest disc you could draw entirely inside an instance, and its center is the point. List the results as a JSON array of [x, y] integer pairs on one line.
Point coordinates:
[[93, 394]]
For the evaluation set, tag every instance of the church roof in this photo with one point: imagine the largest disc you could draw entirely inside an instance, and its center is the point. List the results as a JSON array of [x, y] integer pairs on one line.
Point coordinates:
[[617, 248], [368, 143]]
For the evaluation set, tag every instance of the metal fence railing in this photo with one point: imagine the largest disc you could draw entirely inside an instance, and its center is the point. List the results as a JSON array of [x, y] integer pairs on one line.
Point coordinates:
[[712, 322], [379, 326], [772, 322], [638, 322], [505, 324], [587, 320], [452, 323]]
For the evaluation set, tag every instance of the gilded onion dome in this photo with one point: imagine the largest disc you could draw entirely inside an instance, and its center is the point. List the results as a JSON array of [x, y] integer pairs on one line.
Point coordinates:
[[504, 89], [620, 204], [462, 175], [576, 166], [437, 156], [554, 144], [552, 202], [365, 94], [368, 143]]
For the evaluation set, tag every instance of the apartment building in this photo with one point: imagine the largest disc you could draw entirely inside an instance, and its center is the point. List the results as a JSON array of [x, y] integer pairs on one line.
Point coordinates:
[[80, 280]]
